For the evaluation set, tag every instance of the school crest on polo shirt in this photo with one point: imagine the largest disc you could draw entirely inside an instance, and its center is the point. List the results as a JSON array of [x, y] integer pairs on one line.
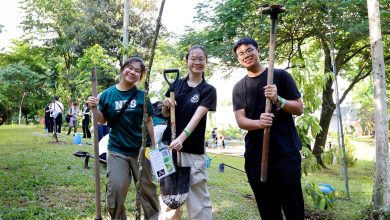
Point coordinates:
[[195, 98]]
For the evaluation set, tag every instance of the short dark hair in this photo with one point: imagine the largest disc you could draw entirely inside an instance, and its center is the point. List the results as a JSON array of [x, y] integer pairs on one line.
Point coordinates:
[[56, 98], [132, 60], [247, 41]]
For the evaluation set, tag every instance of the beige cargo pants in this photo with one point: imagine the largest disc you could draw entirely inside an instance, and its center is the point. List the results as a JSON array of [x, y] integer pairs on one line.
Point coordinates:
[[120, 170]]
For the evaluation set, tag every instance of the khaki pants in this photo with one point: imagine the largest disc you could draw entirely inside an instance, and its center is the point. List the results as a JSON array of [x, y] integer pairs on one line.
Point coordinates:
[[198, 203], [120, 170]]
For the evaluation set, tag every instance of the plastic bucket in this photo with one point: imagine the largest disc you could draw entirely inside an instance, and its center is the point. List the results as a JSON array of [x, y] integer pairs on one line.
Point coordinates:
[[77, 138], [208, 162]]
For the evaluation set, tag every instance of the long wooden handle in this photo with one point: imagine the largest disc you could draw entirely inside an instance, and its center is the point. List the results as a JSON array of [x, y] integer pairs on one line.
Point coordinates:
[[96, 149], [173, 125], [268, 104]]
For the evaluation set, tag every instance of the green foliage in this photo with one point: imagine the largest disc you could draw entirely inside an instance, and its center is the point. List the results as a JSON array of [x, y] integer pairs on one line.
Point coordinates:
[[309, 162], [333, 153], [18, 79], [364, 102], [321, 200], [94, 57], [307, 30], [232, 132]]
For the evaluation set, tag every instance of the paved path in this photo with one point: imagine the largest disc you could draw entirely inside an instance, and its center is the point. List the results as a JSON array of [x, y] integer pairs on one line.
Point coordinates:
[[230, 150], [363, 150]]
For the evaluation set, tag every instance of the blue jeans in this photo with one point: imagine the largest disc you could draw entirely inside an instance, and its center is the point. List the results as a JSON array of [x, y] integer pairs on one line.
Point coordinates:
[[103, 130]]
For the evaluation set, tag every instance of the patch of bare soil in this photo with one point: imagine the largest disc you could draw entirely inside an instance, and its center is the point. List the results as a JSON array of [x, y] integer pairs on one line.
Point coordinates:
[[313, 214], [55, 198]]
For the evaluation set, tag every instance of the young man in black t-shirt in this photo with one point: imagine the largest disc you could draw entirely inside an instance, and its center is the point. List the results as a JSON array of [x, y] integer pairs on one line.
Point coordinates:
[[282, 191]]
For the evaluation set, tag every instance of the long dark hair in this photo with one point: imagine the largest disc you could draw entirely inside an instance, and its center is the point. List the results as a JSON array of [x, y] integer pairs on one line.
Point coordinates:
[[188, 54], [132, 60]]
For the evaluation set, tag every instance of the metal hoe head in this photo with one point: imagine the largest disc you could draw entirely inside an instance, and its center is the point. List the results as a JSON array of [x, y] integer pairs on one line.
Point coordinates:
[[273, 10]]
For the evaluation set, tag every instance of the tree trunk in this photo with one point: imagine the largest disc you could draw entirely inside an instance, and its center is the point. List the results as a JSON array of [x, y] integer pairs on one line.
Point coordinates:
[[328, 107], [126, 13], [381, 197]]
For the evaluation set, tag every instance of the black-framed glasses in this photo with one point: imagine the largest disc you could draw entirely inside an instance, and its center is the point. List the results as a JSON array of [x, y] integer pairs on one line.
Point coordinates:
[[248, 52]]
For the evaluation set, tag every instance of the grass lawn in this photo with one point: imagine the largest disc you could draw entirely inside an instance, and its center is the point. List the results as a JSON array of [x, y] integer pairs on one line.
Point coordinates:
[[42, 180]]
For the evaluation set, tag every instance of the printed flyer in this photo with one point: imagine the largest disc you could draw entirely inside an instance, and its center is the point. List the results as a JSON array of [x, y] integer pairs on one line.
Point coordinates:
[[161, 161]]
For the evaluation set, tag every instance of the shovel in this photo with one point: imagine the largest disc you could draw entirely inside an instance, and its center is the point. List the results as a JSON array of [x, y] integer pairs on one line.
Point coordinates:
[[174, 188]]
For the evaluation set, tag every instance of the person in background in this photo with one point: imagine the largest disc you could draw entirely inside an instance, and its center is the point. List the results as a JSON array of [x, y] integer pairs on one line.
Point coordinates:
[[222, 139], [48, 119], [85, 121], [282, 190], [214, 136], [194, 99], [103, 129], [159, 122], [57, 106], [125, 140], [73, 112]]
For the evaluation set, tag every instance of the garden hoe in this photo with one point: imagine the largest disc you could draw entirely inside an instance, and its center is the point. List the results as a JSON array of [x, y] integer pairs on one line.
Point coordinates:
[[273, 11], [174, 188]]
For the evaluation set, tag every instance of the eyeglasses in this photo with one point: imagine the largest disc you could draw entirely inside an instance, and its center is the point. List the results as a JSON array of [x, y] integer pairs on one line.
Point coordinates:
[[248, 52], [199, 59], [132, 68]]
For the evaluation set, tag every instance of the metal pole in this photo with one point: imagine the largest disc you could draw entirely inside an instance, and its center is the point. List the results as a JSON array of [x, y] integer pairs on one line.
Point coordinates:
[[126, 13], [340, 132]]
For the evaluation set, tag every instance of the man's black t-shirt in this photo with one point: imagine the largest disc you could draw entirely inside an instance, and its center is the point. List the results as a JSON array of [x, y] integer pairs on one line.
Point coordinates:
[[248, 94], [188, 99]]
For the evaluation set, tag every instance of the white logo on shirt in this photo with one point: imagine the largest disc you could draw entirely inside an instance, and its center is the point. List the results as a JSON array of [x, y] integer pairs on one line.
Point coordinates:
[[133, 103], [195, 98], [121, 103]]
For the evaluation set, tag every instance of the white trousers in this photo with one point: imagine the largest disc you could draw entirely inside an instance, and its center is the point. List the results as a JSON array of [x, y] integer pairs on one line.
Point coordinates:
[[158, 134]]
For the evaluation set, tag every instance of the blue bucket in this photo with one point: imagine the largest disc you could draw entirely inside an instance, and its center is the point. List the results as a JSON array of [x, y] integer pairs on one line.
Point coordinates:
[[77, 138], [327, 189], [208, 162]]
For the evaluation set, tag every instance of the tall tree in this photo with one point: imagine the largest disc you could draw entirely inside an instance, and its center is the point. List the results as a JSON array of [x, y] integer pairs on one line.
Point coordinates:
[[381, 195], [70, 27]]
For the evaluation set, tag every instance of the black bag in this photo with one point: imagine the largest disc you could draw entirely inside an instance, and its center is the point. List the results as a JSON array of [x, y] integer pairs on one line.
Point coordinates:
[[157, 109], [67, 118]]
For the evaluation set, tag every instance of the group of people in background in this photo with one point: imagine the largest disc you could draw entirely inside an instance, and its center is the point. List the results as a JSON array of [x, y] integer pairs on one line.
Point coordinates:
[[54, 112], [121, 106], [53, 115]]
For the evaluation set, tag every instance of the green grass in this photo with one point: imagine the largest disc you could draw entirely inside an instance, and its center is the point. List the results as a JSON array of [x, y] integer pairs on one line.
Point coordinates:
[[42, 180]]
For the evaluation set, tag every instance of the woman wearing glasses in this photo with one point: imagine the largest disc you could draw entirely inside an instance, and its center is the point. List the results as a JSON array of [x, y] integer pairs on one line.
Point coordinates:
[[194, 98]]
